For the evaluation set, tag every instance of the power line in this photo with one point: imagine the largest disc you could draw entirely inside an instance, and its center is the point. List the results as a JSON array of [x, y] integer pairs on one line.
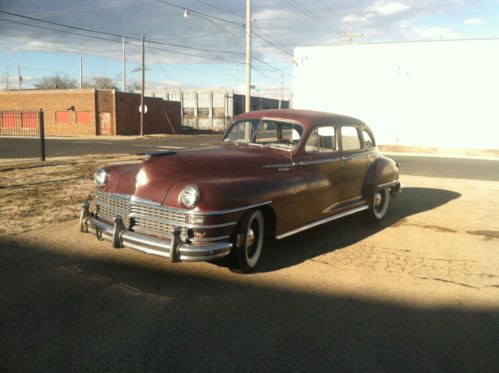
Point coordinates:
[[87, 8], [219, 8], [274, 44], [117, 35], [201, 15], [197, 13], [163, 70], [307, 12], [329, 9], [116, 41]]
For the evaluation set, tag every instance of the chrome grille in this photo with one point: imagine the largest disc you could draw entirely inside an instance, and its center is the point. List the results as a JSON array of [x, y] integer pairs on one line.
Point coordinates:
[[110, 205], [147, 218], [156, 220]]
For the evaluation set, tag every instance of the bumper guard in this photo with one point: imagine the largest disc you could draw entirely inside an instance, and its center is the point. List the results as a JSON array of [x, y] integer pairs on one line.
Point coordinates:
[[174, 249]]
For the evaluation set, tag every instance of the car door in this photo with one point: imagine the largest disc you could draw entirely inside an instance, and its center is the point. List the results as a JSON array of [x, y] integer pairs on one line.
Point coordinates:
[[353, 164], [320, 165]]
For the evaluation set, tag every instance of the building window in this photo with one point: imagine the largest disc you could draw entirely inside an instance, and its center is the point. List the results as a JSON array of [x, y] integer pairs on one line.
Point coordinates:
[[83, 117], [188, 111], [219, 112], [203, 112], [62, 117], [29, 119], [9, 120]]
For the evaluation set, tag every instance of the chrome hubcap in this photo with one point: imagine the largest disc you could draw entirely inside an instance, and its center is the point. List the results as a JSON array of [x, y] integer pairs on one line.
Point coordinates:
[[250, 238], [377, 199]]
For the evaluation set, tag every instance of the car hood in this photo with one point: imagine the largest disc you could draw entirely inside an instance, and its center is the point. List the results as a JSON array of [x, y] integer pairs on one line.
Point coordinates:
[[156, 176]]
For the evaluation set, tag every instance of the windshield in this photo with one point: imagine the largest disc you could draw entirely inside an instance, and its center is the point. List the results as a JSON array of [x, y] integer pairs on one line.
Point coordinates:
[[265, 132]]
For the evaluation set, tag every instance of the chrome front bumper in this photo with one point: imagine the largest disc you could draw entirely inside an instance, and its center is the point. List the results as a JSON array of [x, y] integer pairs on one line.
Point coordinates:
[[174, 249]]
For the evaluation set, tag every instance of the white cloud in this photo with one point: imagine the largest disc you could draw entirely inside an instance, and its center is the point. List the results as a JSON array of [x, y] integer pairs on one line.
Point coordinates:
[[351, 18], [434, 32], [474, 21], [384, 9]]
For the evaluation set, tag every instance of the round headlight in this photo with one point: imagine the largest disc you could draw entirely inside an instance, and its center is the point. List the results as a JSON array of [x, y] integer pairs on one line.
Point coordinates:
[[190, 196], [100, 177]]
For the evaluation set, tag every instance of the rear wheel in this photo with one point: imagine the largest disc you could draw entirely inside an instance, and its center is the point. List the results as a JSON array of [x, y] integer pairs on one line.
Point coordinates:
[[248, 245], [379, 205]]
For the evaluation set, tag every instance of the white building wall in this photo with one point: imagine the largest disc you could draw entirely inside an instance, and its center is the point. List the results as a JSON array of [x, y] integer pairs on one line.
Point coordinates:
[[443, 94]]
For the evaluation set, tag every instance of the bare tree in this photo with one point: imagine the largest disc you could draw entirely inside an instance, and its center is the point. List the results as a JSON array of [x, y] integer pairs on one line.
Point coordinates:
[[6, 81], [57, 81], [100, 82], [134, 87]]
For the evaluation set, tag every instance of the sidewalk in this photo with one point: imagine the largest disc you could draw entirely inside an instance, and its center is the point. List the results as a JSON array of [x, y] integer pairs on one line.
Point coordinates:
[[492, 154]]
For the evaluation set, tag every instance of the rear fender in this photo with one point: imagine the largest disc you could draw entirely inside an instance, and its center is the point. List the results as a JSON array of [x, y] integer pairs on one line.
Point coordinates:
[[382, 173]]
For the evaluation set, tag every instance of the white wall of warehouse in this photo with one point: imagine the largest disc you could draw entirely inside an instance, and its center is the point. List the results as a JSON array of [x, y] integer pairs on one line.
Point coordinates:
[[437, 94]]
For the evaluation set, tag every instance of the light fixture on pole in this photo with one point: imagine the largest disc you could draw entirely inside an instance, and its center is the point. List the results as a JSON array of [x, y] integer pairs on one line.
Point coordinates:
[[248, 56], [186, 14]]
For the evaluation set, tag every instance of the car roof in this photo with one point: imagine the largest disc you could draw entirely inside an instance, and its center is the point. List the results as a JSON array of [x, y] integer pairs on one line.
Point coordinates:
[[306, 117]]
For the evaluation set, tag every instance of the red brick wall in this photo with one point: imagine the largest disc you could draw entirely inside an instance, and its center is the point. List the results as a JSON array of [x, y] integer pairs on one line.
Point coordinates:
[[155, 120], [108, 112], [52, 101]]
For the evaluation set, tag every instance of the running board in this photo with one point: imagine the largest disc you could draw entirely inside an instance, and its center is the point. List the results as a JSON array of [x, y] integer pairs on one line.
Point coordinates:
[[322, 221]]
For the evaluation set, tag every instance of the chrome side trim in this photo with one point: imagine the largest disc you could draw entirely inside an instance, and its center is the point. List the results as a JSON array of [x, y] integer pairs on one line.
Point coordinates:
[[322, 221], [279, 165], [229, 211], [389, 184], [319, 161]]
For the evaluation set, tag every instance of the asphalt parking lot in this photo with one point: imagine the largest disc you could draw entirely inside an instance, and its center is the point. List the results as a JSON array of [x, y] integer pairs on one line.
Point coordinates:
[[419, 292]]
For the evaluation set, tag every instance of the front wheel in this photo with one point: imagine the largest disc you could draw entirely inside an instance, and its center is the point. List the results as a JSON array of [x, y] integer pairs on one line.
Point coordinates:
[[379, 205], [249, 242]]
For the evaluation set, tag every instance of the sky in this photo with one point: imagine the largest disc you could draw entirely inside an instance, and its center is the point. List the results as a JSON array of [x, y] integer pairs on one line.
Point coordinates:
[[200, 44]]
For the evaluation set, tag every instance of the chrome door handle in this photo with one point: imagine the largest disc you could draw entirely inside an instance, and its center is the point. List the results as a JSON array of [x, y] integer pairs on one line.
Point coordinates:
[[346, 158]]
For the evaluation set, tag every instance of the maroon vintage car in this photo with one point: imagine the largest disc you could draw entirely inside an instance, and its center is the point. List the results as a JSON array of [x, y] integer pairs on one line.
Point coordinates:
[[274, 174]]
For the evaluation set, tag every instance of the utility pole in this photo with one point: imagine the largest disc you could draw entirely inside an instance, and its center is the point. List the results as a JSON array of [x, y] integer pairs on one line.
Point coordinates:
[[248, 56], [142, 89], [81, 72], [124, 66], [282, 91], [19, 78], [349, 36]]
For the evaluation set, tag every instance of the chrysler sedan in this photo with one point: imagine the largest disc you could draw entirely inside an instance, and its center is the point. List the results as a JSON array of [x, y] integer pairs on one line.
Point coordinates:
[[275, 173]]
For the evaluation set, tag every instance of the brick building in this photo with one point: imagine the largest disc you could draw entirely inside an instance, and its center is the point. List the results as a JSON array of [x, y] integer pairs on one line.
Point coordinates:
[[95, 112]]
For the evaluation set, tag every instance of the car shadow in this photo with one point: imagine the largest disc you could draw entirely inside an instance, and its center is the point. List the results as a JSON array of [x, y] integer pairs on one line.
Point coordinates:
[[342, 233], [68, 310]]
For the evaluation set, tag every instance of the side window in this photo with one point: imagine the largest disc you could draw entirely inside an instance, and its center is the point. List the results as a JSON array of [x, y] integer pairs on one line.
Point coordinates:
[[350, 138], [278, 134], [312, 145], [321, 140], [240, 132], [368, 139], [267, 133]]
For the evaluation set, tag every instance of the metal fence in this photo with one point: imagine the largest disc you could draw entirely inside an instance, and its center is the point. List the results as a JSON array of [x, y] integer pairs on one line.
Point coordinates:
[[22, 136]]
